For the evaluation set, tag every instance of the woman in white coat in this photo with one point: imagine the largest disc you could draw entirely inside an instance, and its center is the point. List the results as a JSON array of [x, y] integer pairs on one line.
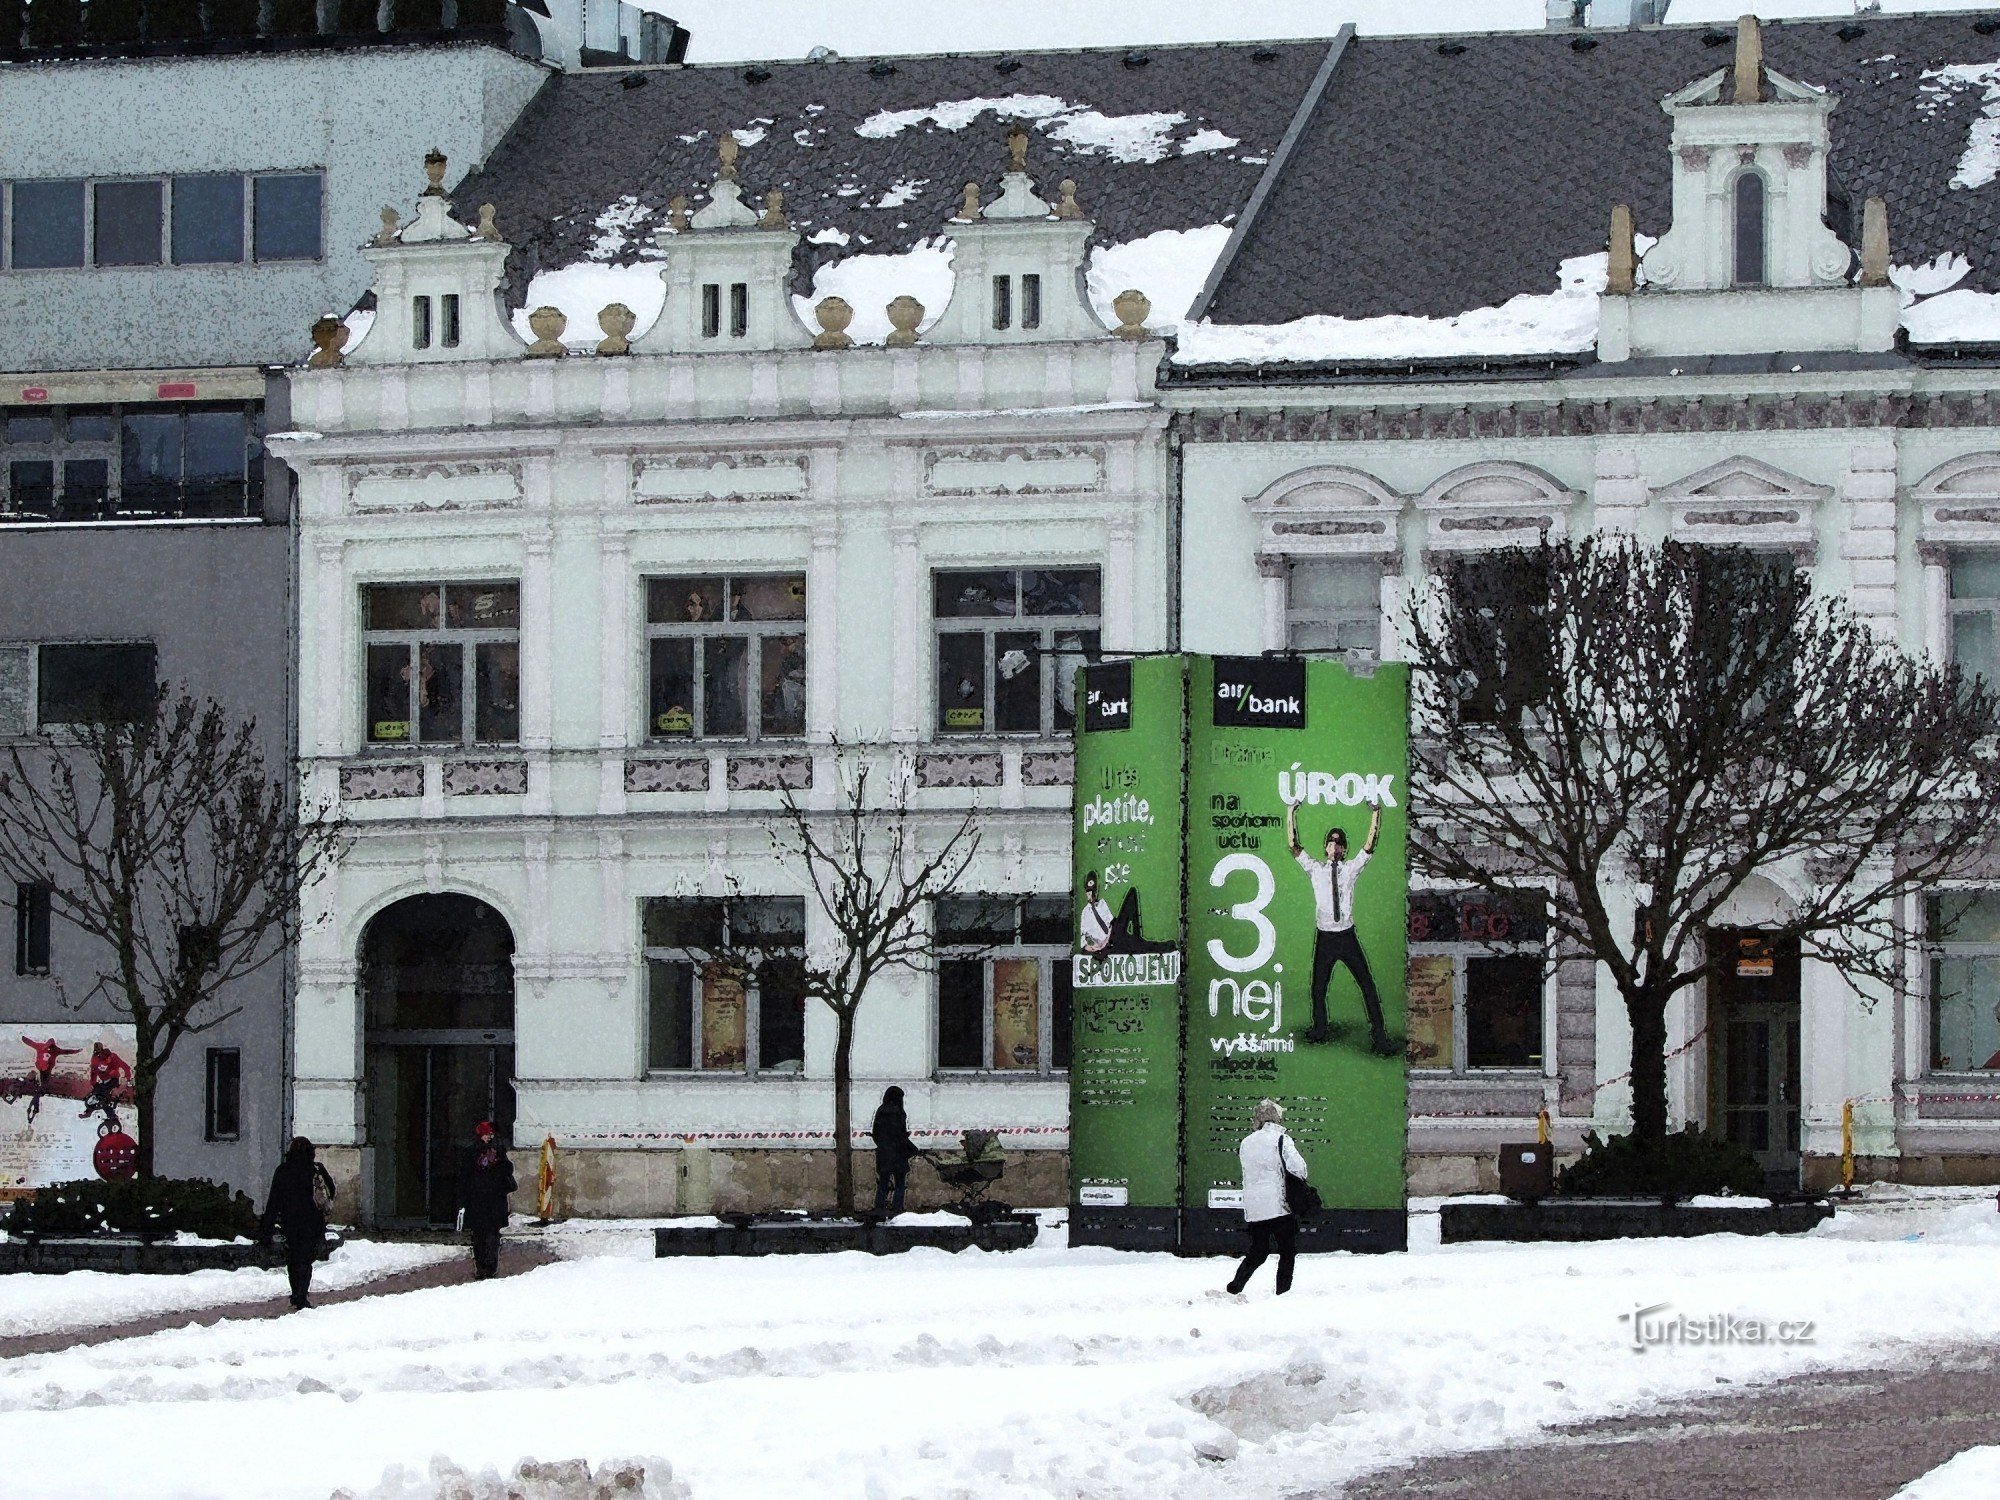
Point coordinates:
[[1268, 1153]]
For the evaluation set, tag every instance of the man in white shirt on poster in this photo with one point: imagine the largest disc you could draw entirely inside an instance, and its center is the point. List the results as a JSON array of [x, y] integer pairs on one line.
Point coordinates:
[[1334, 940]]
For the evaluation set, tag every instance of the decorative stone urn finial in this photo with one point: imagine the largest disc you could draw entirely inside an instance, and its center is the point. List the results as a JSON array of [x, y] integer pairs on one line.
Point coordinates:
[[1067, 207], [905, 314], [1749, 62], [833, 315], [548, 324], [727, 149], [1874, 243], [1017, 149], [1131, 305], [677, 214], [434, 165], [1622, 264], [617, 321], [488, 230], [391, 226], [968, 205], [329, 336], [774, 212]]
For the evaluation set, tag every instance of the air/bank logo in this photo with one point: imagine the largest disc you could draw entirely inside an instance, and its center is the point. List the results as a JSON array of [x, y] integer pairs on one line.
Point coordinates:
[[1107, 696], [1258, 692]]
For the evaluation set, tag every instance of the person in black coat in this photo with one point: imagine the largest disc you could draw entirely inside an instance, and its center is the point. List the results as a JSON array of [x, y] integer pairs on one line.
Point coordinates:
[[894, 1151], [293, 1209], [489, 1181]]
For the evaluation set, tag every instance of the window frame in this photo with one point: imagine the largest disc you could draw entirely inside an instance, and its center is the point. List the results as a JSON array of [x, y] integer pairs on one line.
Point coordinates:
[[1298, 614], [1957, 607], [695, 959], [1019, 622], [756, 634], [117, 497], [212, 1093], [34, 929], [1737, 248], [1461, 950], [467, 640], [1936, 952], [39, 723], [1050, 957], [247, 252]]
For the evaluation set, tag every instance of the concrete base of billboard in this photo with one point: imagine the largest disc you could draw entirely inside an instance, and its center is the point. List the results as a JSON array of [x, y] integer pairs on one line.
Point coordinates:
[[131, 1255], [748, 1235], [1576, 1219], [1204, 1231]]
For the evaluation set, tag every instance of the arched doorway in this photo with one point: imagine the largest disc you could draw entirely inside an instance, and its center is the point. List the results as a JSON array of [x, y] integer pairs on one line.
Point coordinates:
[[437, 980]]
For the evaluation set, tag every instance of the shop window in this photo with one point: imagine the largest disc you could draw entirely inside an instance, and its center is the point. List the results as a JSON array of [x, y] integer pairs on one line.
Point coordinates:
[[141, 462], [725, 985], [285, 216], [443, 663], [1334, 604], [208, 219], [1009, 643], [47, 225], [1475, 981], [1003, 984], [127, 220], [94, 683], [32, 911], [223, 1115], [726, 657], [1965, 981]]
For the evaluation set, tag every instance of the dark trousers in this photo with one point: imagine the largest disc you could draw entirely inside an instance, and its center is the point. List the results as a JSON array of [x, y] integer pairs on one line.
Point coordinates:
[[887, 1179], [486, 1252], [299, 1257], [1330, 948], [1283, 1233]]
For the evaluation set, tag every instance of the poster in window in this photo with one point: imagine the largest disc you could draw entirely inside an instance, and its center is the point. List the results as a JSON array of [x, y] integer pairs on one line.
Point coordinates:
[[66, 1105], [1017, 1012], [1428, 989], [722, 1018]]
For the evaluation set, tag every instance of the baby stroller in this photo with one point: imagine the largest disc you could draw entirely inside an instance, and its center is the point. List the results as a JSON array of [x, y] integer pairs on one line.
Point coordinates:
[[971, 1173]]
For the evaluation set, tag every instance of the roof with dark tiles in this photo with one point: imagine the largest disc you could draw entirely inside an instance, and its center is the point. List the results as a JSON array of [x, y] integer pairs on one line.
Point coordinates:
[[1438, 175], [592, 139]]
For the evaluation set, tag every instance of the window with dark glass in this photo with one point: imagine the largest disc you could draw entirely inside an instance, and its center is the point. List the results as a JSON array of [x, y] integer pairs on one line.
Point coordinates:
[[1003, 984], [1510, 675], [223, 1116], [1474, 983], [1031, 301], [420, 322], [86, 463], [448, 320], [726, 656], [1749, 237], [1964, 980], [1003, 302], [443, 663], [208, 219], [1009, 642], [1974, 609], [725, 985], [739, 309], [285, 216], [95, 683], [128, 221], [33, 907], [47, 229]]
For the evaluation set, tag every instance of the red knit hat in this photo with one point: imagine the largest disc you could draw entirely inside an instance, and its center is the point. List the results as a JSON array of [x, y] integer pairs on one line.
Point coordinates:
[[484, 1130]]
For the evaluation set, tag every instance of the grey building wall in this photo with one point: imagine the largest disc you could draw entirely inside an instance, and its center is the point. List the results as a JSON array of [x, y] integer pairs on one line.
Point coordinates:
[[215, 599], [365, 116]]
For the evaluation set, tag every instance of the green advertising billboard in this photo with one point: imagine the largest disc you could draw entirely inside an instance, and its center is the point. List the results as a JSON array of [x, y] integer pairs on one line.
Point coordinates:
[[1263, 838]]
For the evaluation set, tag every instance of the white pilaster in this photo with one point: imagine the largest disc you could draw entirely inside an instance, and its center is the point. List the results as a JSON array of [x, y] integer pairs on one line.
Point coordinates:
[[907, 572], [1276, 573], [822, 638], [1870, 544]]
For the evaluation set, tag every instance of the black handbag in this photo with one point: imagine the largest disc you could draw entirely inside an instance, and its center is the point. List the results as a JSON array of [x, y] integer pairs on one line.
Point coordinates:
[[1301, 1197]]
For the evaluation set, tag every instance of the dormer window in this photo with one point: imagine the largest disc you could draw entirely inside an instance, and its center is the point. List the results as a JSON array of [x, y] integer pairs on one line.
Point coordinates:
[[1749, 262], [711, 309]]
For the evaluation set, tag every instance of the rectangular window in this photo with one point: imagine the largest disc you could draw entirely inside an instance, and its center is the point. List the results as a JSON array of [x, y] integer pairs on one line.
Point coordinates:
[[1975, 612], [285, 215], [208, 219], [443, 663], [224, 1112], [128, 220], [1519, 677], [420, 322], [1009, 642], [1031, 301], [1474, 982], [1003, 302], [149, 460], [739, 309], [94, 684], [1003, 984], [1965, 981], [48, 225], [448, 320], [32, 907], [725, 985], [711, 310], [726, 657], [1334, 604]]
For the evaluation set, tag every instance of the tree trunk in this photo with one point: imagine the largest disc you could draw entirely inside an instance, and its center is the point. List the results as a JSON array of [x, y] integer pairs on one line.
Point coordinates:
[[843, 1112], [143, 1080], [1647, 1011]]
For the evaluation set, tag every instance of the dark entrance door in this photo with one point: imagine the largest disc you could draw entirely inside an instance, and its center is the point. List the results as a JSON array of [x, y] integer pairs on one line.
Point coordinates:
[[1754, 1049], [439, 982]]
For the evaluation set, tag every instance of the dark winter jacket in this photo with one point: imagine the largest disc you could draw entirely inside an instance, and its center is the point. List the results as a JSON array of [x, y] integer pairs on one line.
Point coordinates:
[[292, 1207], [893, 1146], [489, 1179]]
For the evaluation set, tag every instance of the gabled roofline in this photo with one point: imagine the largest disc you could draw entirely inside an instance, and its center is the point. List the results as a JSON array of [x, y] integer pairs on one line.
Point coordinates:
[[1273, 170]]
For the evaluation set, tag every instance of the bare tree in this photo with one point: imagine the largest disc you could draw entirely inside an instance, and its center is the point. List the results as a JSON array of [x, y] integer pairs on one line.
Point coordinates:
[[1605, 717], [167, 839]]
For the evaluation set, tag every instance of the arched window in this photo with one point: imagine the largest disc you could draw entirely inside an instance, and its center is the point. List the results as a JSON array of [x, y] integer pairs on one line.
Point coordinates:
[[1749, 263]]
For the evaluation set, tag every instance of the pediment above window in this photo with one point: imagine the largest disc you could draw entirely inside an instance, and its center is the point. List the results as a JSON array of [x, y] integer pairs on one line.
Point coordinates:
[[1961, 500], [1744, 502], [1495, 504], [1328, 510]]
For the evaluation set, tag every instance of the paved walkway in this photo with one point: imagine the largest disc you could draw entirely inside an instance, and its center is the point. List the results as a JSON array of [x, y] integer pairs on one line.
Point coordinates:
[[515, 1257], [1841, 1435]]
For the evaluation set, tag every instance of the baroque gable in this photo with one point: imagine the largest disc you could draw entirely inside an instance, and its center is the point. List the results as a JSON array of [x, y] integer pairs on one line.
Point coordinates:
[[1494, 503], [1327, 510], [1745, 502]]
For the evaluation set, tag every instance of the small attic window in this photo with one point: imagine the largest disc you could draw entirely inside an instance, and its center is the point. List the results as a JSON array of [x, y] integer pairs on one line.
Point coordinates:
[[1003, 302], [1748, 238], [1031, 301]]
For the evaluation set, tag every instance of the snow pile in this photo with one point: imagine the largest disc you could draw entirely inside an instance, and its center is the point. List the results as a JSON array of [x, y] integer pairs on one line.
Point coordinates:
[[1973, 1475], [616, 227], [1936, 310], [583, 290], [1560, 322], [1129, 138], [571, 1479], [1169, 266], [1134, 138], [1979, 163], [869, 283]]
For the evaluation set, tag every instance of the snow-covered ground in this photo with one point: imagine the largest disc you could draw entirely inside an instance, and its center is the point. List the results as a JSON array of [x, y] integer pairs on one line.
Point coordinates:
[[1051, 1372]]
